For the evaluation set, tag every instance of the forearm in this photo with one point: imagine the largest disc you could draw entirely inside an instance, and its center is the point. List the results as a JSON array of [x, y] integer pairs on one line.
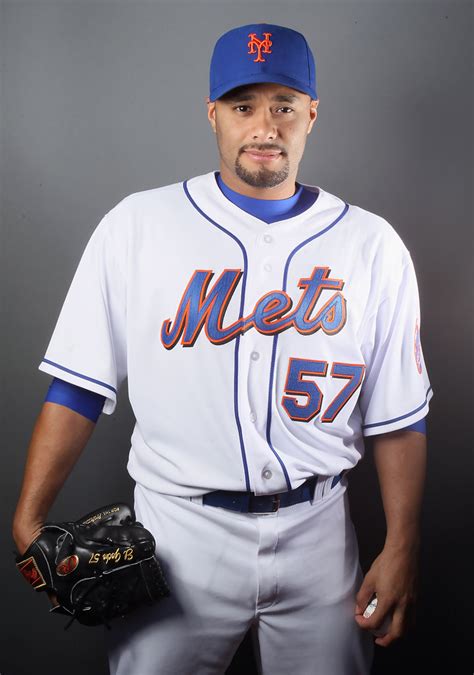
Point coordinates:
[[400, 459], [58, 438]]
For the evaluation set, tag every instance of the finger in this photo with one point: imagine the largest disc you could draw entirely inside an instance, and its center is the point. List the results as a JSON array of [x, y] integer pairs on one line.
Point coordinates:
[[376, 616], [364, 596], [382, 626], [395, 629], [386, 640]]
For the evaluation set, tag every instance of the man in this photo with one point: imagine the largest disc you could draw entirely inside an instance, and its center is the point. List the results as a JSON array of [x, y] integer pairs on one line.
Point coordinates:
[[265, 328]]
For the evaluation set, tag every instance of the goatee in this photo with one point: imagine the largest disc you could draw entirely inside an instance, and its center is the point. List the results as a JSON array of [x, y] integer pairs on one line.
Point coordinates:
[[263, 177]]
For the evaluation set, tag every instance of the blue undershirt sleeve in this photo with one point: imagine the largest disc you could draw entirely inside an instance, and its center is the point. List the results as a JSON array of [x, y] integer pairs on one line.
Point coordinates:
[[417, 426], [85, 402]]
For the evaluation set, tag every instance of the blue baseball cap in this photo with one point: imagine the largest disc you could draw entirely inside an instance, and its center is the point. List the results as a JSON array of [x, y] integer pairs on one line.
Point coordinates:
[[262, 52]]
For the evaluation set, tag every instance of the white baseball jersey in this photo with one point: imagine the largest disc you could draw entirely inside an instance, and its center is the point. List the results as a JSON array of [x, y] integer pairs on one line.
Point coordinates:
[[256, 355]]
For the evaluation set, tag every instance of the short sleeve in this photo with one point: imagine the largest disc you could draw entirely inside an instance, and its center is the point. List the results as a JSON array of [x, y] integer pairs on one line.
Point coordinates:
[[88, 346], [396, 390]]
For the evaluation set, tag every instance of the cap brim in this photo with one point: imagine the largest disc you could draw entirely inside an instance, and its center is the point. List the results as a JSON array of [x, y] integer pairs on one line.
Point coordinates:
[[261, 78]]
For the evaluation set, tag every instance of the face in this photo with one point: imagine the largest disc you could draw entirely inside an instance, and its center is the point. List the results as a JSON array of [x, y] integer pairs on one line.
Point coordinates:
[[261, 133]]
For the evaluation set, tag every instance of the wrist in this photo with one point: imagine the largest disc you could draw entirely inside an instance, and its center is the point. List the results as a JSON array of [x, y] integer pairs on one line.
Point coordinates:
[[405, 541], [24, 532]]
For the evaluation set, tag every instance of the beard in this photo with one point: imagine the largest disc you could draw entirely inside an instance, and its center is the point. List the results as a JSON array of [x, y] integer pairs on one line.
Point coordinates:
[[262, 177]]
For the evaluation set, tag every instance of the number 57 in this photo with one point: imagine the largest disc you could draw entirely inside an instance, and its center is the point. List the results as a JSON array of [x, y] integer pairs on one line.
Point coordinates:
[[295, 384]]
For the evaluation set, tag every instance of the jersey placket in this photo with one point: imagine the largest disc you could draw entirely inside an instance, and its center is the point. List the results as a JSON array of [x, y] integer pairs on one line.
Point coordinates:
[[266, 469]]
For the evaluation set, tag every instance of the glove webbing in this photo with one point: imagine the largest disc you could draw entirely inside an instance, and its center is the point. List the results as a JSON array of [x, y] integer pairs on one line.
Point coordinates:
[[82, 598]]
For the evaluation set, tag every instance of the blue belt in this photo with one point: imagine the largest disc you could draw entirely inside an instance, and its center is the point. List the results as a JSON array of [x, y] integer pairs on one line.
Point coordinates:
[[248, 502]]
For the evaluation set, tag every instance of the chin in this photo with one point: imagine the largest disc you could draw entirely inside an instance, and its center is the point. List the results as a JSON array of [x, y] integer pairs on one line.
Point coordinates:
[[262, 177]]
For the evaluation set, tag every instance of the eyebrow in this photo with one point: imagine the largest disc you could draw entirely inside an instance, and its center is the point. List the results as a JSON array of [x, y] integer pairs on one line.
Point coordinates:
[[243, 96]]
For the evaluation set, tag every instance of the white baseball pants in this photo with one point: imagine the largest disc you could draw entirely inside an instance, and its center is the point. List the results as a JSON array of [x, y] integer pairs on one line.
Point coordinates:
[[291, 576]]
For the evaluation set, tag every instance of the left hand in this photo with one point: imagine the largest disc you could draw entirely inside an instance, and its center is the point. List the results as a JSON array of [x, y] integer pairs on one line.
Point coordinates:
[[393, 577]]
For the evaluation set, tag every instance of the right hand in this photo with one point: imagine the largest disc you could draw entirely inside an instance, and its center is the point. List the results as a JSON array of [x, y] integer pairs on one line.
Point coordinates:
[[23, 536]]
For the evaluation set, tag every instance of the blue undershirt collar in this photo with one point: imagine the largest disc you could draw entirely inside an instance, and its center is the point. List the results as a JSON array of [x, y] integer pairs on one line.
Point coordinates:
[[270, 210]]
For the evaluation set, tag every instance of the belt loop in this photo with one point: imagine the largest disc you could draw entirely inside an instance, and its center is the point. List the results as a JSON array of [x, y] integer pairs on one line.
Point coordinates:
[[276, 503], [196, 500], [318, 490], [327, 485]]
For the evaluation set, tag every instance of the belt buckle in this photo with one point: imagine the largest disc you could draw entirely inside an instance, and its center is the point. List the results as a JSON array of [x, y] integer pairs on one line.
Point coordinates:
[[275, 503]]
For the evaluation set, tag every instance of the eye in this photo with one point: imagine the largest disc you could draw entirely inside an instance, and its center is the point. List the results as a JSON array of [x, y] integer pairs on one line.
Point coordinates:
[[286, 109], [240, 107]]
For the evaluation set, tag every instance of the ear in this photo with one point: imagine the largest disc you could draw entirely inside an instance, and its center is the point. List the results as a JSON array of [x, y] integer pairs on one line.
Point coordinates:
[[211, 113], [313, 113]]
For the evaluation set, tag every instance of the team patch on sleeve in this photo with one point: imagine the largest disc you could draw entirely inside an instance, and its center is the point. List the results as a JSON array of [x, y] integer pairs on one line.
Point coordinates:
[[417, 343]]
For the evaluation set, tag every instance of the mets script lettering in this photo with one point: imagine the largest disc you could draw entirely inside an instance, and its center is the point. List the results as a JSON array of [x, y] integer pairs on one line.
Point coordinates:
[[205, 306]]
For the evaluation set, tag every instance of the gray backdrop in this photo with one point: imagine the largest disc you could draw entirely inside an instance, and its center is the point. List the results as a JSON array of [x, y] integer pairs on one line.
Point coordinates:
[[102, 99]]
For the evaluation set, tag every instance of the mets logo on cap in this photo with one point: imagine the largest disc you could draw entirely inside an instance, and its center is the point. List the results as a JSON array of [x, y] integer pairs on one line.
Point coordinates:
[[257, 46]]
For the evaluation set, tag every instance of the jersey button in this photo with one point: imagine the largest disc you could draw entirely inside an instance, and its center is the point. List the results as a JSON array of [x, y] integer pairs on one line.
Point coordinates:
[[267, 474], [255, 356], [267, 238], [267, 267], [253, 417]]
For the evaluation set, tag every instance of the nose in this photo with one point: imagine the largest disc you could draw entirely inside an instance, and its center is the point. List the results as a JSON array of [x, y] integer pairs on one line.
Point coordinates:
[[263, 125]]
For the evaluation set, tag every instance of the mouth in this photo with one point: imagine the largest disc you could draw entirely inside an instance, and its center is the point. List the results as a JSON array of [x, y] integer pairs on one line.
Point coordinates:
[[267, 156]]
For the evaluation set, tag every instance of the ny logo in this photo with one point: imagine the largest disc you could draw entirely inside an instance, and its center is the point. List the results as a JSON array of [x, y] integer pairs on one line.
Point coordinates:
[[260, 45]]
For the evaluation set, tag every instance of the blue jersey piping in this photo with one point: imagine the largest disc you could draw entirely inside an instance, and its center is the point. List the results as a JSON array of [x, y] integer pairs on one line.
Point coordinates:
[[275, 339], [237, 340], [84, 377], [402, 417]]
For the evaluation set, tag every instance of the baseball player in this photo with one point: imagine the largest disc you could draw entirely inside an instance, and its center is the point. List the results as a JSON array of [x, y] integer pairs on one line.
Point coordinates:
[[266, 328]]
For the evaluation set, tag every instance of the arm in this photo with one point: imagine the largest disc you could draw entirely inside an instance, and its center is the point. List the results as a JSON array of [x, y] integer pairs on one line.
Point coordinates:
[[400, 460], [59, 436]]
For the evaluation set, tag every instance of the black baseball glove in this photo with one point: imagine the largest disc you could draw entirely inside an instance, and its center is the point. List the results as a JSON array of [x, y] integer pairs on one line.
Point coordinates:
[[99, 567]]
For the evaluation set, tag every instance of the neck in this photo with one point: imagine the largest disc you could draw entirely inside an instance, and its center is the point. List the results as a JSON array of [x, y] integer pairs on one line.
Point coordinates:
[[281, 191]]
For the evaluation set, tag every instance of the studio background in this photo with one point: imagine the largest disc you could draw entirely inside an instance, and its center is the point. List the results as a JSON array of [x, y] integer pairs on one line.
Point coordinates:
[[103, 99]]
